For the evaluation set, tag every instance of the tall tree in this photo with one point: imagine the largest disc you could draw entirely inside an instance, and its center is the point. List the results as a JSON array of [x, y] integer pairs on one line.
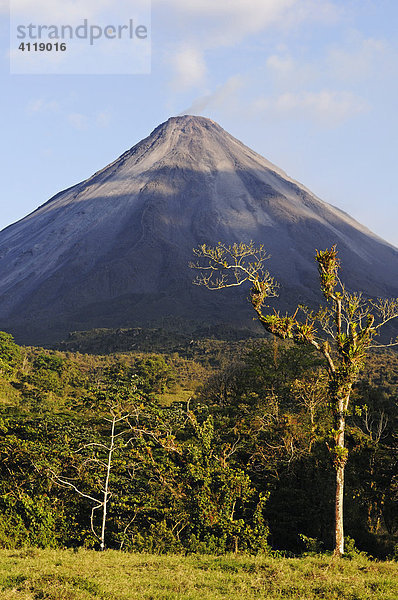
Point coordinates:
[[342, 331]]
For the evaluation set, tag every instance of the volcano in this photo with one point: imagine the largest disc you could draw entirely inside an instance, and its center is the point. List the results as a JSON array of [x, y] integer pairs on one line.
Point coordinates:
[[113, 250]]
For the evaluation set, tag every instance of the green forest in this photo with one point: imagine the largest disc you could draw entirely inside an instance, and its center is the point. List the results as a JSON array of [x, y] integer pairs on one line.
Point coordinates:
[[205, 446]]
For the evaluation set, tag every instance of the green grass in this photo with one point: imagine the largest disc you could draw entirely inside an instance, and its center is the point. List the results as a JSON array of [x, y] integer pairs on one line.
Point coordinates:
[[67, 575]]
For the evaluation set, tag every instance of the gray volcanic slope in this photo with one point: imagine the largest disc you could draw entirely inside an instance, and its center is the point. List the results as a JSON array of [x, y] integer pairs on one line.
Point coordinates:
[[113, 250]]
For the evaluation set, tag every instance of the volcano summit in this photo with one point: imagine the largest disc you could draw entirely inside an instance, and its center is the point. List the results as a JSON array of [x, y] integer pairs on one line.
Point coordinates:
[[113, 250]]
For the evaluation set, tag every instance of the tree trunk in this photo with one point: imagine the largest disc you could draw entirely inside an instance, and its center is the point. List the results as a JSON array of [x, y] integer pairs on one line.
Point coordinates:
[[106, 486], [339, 528], [340, 459]]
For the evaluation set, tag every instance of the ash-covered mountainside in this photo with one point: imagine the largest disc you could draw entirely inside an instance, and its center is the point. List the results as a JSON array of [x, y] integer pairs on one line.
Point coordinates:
[[113, 251]]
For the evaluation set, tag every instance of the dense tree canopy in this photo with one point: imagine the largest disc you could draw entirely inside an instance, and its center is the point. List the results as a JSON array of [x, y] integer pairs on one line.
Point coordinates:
[[242, 466]]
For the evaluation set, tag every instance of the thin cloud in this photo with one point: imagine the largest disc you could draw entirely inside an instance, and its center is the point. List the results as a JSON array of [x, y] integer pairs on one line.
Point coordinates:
[[205, 25], [358, 62], [222, 97], [230, 21], [40, 105], [189, 68], [327, 107], [288, 72], [78, 121]]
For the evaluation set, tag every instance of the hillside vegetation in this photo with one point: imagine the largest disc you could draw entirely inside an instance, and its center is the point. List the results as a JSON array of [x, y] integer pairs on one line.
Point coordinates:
[[218, 447]]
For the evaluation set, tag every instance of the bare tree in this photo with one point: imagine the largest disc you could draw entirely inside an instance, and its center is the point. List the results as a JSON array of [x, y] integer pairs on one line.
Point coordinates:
[[342, 330], [124, 429], [105, 463]]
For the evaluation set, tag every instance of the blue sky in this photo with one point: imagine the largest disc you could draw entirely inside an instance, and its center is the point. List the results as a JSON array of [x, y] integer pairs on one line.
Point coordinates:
[[310, 84]]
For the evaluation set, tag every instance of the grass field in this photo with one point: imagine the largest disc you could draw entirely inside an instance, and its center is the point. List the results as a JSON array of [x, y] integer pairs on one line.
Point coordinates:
[[67, 575]]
